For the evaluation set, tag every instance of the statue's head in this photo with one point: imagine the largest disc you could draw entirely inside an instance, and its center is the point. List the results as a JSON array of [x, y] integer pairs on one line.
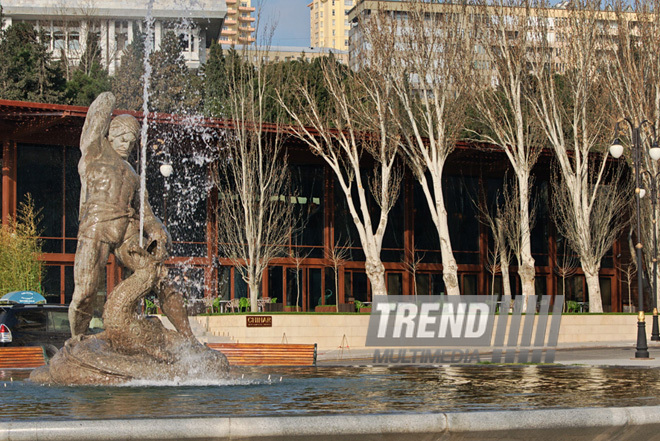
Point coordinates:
[[123, 134]]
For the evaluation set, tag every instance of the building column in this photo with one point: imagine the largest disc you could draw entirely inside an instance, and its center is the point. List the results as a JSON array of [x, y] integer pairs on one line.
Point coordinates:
[[9, 171], [112, 47], [130, 33], [103, 43], [158, 34], [84, 29]]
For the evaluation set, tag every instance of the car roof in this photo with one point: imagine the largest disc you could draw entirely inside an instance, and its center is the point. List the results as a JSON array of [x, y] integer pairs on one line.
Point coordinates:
[[19, 306]]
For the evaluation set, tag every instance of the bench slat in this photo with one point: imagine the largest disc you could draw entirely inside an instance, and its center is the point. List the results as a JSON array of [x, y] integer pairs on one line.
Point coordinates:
[[17, 357], [264, 354]]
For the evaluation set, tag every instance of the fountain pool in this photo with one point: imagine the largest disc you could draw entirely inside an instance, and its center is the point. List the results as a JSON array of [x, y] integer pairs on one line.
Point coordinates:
[[337, 390]]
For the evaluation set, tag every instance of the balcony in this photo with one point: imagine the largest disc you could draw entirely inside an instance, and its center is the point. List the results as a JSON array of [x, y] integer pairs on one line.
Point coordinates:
[[250, 19], [228, 32], [246, 28], [246, 39], [231, 11], [230, 21], [246, 9], [230, 2]]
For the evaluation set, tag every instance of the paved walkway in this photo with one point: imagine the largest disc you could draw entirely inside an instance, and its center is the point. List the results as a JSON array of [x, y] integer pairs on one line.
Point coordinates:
[[594, 354]]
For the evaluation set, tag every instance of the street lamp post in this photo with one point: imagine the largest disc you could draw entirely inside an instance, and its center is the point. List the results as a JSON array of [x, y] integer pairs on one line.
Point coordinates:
[[166, 170], [654, 180], [616, 150]]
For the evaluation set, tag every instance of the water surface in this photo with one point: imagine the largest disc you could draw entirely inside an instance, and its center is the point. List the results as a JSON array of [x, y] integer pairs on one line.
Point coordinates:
[[336, 390]]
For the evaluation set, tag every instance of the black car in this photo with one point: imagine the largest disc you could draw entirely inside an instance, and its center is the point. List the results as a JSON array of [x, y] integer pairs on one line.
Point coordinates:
[[35, 325]]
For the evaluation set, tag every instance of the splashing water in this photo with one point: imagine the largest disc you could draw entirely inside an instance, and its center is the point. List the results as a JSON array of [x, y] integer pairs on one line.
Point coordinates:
[[190, 185], [148, 48]]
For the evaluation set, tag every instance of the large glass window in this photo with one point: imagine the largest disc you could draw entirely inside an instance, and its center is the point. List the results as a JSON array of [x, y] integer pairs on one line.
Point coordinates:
[[49, 174], [460, 194], [540, 230], [294, 288], [356, 286], [275, 283], [314, 288], [308, 186], [426, 233], [346, 235]]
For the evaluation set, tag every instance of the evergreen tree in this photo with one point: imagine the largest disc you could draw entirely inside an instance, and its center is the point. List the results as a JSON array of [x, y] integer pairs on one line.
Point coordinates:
[[127, 83], [215, 84], [84, 88], [27, 72], [173, 88], [89, 77]]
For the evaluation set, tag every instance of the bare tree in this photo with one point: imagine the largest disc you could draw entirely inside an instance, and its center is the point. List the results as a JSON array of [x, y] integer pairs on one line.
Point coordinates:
[[411, 261], [633, 75], [428, 63], [357, 127], [504, 40], [496, 218], [566, 266], [298, 254], [511, 223], [608, 217], [255, 211], [629, 270], [570, 102], [337, 253]]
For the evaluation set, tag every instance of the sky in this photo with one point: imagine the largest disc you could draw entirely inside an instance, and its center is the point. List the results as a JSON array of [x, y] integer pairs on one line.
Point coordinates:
[[290, 18]]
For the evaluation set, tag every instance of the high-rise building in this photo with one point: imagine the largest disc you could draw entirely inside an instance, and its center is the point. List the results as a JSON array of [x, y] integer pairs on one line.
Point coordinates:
[[237, 28], [329, 24]]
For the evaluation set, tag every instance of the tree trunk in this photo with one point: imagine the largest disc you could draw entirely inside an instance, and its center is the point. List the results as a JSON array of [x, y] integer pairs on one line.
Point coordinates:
[[253, 286], [506, 281], [449, 267], [526, 269], [593, 286], [376, 273]]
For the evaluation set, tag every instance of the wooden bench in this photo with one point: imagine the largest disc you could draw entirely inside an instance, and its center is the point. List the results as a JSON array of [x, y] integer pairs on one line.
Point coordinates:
[[264, 354], [21, 357]]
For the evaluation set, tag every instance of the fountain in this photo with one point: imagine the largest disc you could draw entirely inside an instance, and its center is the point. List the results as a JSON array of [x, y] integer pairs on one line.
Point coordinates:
[[131, 346]]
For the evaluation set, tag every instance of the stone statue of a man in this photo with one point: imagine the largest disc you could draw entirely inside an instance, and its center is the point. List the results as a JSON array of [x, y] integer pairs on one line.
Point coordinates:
[[109, 216]]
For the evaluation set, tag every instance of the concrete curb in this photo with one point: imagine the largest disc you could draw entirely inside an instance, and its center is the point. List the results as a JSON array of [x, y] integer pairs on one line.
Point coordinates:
[[621, 423]]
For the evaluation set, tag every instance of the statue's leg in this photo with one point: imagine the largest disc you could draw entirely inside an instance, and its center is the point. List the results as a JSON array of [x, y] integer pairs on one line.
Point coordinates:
[[171, 302], [91, 259]]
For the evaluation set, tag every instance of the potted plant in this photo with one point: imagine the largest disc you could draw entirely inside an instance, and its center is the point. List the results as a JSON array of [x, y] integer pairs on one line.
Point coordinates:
[[273, 306], [361, 307]]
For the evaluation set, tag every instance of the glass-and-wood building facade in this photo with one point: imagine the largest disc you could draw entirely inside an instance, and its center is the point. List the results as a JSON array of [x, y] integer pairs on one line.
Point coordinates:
[[40, 156]]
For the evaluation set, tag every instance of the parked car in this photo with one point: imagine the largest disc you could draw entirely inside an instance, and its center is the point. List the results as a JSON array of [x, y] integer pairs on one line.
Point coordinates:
[[35, 325]]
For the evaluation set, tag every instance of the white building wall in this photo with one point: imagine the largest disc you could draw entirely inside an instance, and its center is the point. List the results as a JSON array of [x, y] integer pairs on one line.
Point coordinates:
[[204, 17]]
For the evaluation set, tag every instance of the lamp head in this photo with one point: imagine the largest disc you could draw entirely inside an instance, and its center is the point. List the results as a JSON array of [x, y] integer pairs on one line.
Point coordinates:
[[616, 149], [166, 170], [654, 151]]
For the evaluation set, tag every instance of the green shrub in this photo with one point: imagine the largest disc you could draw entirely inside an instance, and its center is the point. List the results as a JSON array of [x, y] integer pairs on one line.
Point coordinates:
[[20, 247], [572, 306]]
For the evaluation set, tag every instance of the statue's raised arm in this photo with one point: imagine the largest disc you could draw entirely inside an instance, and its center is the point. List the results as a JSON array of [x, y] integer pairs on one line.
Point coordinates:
[[97, 125]]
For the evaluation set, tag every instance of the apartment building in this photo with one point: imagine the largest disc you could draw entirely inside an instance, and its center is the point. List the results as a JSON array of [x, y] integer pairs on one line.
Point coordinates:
[[238, 26], [550, 17], [275, 54], [68, 25], [329, 23]]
